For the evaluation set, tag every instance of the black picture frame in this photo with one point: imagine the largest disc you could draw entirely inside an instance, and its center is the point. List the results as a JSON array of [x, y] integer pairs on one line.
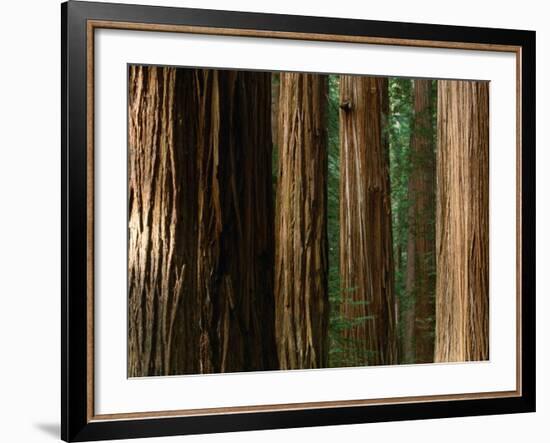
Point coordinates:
[[76, 424]]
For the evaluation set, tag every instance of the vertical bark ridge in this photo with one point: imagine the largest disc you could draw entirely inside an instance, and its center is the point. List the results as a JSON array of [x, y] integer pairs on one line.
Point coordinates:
[[420, 279], [462, 222], [200, 222], [301, 264], [235, 222], [366, 257], [156, 269]]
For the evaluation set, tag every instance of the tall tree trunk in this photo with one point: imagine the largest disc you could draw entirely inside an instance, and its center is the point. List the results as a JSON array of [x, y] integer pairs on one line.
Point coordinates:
[[462, 222], [235, 213], [201, 236], [301, 267], [366, 250], [161, 250], [420, 282]]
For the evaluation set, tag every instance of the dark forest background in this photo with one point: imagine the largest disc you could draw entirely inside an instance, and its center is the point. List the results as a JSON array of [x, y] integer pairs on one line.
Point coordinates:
[[295, 221]]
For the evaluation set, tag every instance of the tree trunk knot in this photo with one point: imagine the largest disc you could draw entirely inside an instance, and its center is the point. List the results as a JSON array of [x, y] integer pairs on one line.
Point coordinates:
[[346, 105]]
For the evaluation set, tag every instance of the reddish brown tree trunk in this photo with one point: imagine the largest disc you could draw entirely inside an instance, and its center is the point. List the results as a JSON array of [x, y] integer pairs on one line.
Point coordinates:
[[161, 249], [462, 222], [366, 251], [200, 230], [235, 213], [420, 279], [301, 267]]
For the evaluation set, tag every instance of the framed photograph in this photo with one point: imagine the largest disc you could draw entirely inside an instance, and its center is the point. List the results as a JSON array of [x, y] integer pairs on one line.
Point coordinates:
[[275, 221]]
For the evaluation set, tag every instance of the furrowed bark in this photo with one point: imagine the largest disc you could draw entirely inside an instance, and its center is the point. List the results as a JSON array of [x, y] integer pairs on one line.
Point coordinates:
[[235, 235], [462, 222], [200, 228], [161, 244], [420, 279], [366, 251], [301, 265]]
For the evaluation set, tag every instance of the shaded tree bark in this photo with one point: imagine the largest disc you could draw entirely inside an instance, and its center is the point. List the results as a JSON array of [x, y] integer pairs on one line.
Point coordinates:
[[462, 222], [301, 267], [275, 87], [200, 231], [235, 236], [366, 250], [418, 346]]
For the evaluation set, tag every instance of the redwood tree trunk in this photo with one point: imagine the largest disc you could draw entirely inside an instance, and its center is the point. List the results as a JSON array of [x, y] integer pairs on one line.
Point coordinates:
[[366, 251], [235, 213], [462, 222], [161, 244], [301, 267], [418, 346], [200, 232]]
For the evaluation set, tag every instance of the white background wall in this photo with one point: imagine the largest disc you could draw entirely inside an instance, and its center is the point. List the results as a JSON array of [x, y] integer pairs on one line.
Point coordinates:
[[30, 221]]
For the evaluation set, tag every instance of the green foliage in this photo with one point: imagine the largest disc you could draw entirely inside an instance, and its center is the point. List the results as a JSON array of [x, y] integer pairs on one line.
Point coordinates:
[[399, 129]]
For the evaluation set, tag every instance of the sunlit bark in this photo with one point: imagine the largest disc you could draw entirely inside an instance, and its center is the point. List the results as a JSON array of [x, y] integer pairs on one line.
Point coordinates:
[[301, 267], [462, 222]]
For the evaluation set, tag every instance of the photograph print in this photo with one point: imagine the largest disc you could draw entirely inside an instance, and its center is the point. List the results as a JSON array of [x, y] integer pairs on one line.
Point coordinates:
[[287, 220]]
